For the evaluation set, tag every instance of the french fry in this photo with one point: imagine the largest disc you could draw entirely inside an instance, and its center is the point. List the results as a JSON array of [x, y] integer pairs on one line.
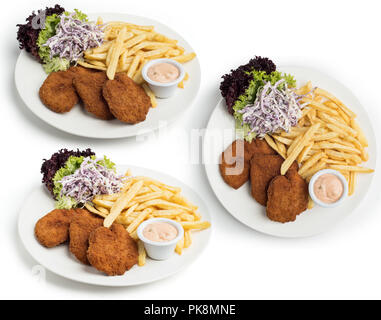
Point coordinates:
[[185, 58], [134, 65], [103, 210], [351, 168], [320, 107], [151, 95], [342, 126], [187, 239], [303, 155], [186, 217], [195, 225], [116, 52], [121, 203], [154, 54], [326, 136], [337, 146], [180, 246], [329, 96], [104, 47], [352, 183], [93, 210], [91, 66], [271, 143], [142, 254], [134, 41], [103, 203], [304, 89], [360, 134], [315, 168], [138, 220], [294, 144], [281, 149], [283, 140], [310, 162], [298, 148]]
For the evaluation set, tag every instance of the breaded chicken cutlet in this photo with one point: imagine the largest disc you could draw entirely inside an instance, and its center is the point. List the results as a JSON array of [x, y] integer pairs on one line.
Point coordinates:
[[287, 197], [53, 229], [89, 85], [235, 160], [127, 101], [235, 164], [81, 226], [58, 93], [112, 250], [263, 168]]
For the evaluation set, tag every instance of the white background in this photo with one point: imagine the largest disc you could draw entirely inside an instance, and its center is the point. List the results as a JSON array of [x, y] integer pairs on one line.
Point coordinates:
[[340, 38]]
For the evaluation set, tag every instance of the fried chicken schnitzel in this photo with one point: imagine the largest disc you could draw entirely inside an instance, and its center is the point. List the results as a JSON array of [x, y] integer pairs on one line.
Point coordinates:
[[287, 197], [89, 85], [81, 226], [263, 169], [127, 101], [235, 164], [112, 250], [235, 160], [53, 228], [57, 92]]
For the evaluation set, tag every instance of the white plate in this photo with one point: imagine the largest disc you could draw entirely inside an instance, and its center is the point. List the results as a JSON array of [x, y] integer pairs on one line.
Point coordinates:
[[29, 76], [60, 261], [220, 133]]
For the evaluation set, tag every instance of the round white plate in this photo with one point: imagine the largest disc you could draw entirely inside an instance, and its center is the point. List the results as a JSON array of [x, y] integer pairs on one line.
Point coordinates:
[[220, 133], [60, 261], [29, 76]]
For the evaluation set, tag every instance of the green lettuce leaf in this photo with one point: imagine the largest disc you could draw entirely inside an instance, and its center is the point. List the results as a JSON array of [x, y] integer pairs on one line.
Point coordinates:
[[106, 162], [259, 79], [49, 31], [65, 202], [56, 64], [78, 15]]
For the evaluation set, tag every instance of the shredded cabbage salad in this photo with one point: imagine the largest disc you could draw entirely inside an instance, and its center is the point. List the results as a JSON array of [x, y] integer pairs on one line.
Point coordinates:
[[276, 107], [92, 178], [73, 37]]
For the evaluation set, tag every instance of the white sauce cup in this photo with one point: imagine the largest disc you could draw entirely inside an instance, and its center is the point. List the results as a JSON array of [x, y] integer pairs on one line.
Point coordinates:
[[160, 250], [163, 90], [316, 199]]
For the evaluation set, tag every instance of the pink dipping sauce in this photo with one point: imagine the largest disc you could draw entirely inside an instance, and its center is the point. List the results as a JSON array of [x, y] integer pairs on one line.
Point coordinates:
[[160, 232], [328, 188], [163, 72]]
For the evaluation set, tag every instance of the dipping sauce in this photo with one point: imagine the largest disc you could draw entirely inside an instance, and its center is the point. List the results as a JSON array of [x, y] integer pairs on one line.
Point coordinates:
[[160, 232], [328, 188], [163, 72]]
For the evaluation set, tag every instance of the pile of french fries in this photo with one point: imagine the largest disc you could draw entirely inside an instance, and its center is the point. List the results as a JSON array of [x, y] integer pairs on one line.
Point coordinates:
[[128, 47], [327, 137], [144, 198]]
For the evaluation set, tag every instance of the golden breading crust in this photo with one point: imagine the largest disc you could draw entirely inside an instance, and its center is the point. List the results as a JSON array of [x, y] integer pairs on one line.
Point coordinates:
[[127, 101], [263, 168], [112, 250], [81, 226], [53, 229], [89, 87], [58, 93], [287, 197], [235, 160]]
